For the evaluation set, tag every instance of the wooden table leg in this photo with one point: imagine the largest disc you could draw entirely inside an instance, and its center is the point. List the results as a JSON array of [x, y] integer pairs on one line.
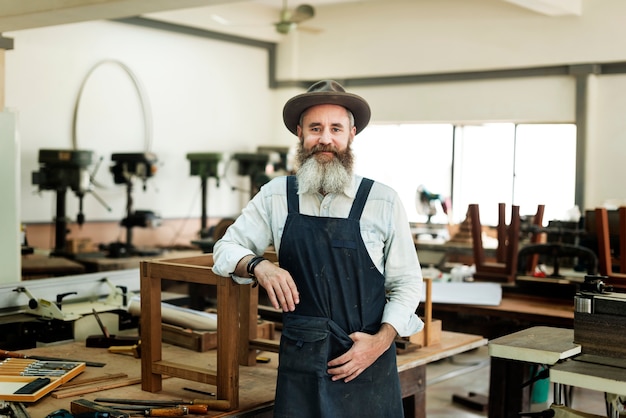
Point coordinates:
[[506, 396], [413, 386]]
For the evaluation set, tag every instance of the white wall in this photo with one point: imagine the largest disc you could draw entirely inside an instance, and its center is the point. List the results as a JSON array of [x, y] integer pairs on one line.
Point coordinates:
[[407, 37], [10, 209], [607, 142], [204, 95]]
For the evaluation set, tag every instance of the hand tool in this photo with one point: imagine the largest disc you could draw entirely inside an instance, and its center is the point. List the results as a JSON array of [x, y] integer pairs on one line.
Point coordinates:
[[217, 404], [134, 350], [13, 354], [107, 340], [64, 413], [18, 410], [163, 410], [192, 407], [138, 404], [200, 391], [145, 401], [83, 406], [154, 412]]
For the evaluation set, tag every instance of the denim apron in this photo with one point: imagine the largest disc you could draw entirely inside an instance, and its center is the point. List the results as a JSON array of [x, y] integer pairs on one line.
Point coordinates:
[[341, 292]]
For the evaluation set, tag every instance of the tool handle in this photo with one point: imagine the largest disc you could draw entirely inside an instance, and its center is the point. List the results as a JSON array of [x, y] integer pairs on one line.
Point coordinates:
[[214, 404], [11, 354], [198, 409], [166, 412]]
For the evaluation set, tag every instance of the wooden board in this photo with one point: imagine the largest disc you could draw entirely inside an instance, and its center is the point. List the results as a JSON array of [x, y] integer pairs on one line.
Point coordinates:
[[540, 345], [590, 376], [11, 381], [434, 335], [205, 340]]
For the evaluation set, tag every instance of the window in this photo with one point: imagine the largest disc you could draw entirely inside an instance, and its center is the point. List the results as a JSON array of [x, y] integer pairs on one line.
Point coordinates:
[[525, 164]]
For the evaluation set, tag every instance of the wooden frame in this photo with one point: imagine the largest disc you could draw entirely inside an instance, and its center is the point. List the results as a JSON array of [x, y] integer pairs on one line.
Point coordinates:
[[190, 270], [508, 243], [236, 328], [605, 262], [537, 237]]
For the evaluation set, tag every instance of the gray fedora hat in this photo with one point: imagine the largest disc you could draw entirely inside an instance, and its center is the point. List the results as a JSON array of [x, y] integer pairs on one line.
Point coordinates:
[[326, 92]]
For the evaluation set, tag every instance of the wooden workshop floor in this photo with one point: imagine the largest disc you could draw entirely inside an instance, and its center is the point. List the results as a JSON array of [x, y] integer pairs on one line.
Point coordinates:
[[439, 389]]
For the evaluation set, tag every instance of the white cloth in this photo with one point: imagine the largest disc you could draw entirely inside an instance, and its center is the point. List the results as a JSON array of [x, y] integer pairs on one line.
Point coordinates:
[[384, 228]]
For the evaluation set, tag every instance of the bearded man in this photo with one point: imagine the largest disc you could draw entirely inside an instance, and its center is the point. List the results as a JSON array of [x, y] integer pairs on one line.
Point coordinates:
[[348, 279]]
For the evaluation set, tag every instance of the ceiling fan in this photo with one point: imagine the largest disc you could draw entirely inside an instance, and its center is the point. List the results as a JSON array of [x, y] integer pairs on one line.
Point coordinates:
[[289, 19]]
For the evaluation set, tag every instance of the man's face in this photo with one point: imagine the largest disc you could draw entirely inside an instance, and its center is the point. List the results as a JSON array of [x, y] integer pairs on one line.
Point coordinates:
[[325, 131], [324, 156]]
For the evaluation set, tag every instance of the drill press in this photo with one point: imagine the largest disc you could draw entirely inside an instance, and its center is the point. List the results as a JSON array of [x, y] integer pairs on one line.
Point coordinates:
[[61, 170], [127, 167], [204, 165]]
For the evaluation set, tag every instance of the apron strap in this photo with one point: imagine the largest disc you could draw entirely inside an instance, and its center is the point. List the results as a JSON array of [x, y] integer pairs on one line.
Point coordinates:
[[360, 199], [293, 200]]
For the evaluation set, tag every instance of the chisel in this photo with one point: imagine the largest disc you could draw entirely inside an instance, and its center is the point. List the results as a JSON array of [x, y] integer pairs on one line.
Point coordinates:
[[154, 412], [13, 354], [217, 404], [137, 404], [165, 411]]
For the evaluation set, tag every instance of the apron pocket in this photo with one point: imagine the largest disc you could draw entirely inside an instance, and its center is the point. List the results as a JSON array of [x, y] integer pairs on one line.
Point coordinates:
[[304, 349]]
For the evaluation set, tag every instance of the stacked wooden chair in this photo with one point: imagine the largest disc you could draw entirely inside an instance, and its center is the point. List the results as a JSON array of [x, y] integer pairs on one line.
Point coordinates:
[[606, 258], [504, 269]]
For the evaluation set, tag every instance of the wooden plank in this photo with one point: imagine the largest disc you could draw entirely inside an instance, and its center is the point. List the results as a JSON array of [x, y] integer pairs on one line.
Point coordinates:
[[97, 388], [540, 345], [451, 343], [92, 380], [265, 344], [590, 376], [195, 373]]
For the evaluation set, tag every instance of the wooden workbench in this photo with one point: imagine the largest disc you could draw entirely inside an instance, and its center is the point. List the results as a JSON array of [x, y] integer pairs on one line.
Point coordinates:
[[38, 266], [514, 313], [257, 383], [513, 359], [96, 264]]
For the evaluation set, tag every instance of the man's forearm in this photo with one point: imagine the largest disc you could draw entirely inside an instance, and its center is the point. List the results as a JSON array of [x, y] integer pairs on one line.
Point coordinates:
[[241, 269], [387, 334]]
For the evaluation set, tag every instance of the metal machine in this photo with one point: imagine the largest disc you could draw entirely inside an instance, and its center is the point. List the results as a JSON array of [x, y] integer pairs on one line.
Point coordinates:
[[252, 165], [204, 165], [127, 167], [61, 170], [255, 165]]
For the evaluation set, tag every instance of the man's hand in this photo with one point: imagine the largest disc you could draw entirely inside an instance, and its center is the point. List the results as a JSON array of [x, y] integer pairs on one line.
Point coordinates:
[[363, 353], [279, 285]]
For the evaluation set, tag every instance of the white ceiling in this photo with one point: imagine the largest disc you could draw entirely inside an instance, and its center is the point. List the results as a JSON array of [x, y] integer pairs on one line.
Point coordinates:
[[252, 18], [256, 18], [249, 18]]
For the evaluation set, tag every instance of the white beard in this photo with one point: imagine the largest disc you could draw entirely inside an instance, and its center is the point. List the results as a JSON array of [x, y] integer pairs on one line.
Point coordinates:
[[330, 177]]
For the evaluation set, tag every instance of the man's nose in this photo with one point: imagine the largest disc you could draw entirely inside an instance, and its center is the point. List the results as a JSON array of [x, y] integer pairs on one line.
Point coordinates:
[[325, 137]]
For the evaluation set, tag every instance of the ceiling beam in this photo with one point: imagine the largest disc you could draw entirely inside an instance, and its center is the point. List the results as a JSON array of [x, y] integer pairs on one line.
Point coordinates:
[[21, 14], [551, 7]]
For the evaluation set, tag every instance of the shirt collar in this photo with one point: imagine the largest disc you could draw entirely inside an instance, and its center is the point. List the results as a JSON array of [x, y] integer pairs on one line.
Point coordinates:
[[351, 188]]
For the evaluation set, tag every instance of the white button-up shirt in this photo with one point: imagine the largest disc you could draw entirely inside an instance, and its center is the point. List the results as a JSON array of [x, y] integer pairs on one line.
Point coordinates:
[[384, 228]]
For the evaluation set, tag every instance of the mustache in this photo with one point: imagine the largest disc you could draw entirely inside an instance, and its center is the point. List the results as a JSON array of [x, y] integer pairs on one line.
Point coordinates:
[[322, 148]]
